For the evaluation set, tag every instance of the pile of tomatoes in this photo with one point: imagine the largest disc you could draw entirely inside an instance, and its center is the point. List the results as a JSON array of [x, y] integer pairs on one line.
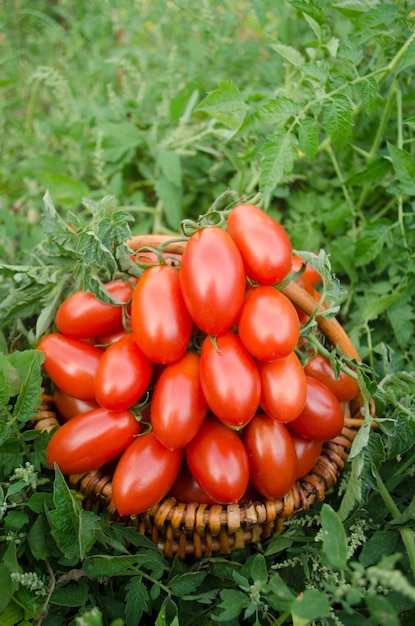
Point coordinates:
[[192, 385]]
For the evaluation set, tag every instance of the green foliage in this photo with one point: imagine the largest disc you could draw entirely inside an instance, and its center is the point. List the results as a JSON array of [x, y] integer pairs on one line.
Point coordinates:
[[131, 119]]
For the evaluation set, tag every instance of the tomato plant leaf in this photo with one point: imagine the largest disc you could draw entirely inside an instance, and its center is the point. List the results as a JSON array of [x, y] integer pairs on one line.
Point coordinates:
[[277, 110], [369, 91], [308, 136], [338, 119], [226, 104], [310, 605], [137, 601], [28, 365], [278, 157], [404, 167], [289, 53], [73, 528]]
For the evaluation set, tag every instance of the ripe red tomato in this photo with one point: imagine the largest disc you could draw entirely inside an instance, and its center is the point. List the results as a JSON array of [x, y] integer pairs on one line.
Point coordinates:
[[322, 417], [144, 474], [283, 388], [268, 324], [307, 452], [186, 489], [271, 454], [230, 379], [178, 406], [217, 459], [161, 324], [82, 315], [123, 375], [344, 387], [264, 244], [68, 406], [310, 274], [91, 440], [212, 279], [71, 364]]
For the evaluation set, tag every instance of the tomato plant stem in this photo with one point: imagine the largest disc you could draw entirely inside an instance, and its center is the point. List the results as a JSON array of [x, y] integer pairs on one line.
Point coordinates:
[[406, 533]]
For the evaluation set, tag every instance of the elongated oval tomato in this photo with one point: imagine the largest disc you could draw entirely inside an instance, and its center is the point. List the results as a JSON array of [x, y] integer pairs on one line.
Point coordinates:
[[71, 364], [322, 417], [160, 322], [344, 387], [310, 275], [271, 454], [91, 440], [186, 489], [144, 474], [68, 406], [82, 315], [283, 388], [217, 459], [230, 379], [123, 375], [212, 279], [307, 452], [178, 406], [263, 243], [268, 324]]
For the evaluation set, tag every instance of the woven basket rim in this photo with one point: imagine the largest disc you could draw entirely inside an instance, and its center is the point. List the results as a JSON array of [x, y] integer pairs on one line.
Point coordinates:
[[201, 530]]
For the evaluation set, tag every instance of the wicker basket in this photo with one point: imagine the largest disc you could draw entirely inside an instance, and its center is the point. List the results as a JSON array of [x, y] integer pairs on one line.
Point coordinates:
[[202, 530]]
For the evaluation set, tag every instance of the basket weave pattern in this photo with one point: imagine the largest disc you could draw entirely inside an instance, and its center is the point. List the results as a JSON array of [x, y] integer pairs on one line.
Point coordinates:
[[201, 530]]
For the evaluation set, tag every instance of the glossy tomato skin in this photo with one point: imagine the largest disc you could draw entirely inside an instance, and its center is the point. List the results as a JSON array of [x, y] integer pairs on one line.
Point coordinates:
[[186, 489], [307, 452], [178, 406], [123, 375], [322, 417], [82, 315], [71, 364], [263, 243], [272, 458], [212, 279], [68, 406], [268, 324], [230, 379], [283, 388], [144, 474], [218, 461], [344, 387], [160, 322], [91, 440]]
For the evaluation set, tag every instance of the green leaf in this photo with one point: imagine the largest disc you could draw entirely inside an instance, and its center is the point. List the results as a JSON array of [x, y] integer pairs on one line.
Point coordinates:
[[404, 167], [369, 92], [371, 242], [281, 596], [119, 139], [289, 53], [171, 197], [37, 537], [102, 565], [401, 318], [278, 157], [70, 595], [277, 110], [137, 601], [308, 137], [170, 164], [381, 542], [187, 583], [310, 605], [375, 172], [381, 610], [73, 529], [28, 364], [225, 104], [259, 569], [338, 119], [335, 548], [231, 604]]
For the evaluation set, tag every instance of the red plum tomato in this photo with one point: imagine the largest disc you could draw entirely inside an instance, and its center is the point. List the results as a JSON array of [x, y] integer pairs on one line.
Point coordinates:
[[161, 324], [91, 440], [283, 388], [144, 474], [268, 324], [212, 279], [322, 417], [264, 244], [186, 489], [82, 315], [230, 379], [218, 461], [271, 454], [309, 274], [344, 387], [71, 364], [178, 406], [123, 375], [307, 452], [68, 406]]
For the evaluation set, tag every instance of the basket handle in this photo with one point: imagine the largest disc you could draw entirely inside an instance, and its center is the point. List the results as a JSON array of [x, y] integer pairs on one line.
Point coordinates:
[[331, 328]]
